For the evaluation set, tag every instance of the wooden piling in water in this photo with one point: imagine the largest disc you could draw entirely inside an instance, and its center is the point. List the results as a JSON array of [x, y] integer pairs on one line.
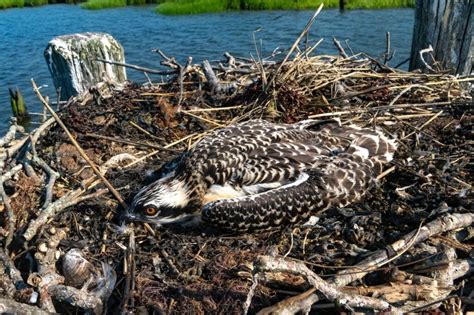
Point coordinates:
[[447, 27], [72, 62], [342, 5]]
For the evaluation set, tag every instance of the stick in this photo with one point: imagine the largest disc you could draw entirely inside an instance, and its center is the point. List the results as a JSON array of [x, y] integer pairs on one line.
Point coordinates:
[[52, 175], [93, 135], [53, 208], [129, 280], [10, 135], [250, 295], [13, 273], [295, 44], [79, 149], [6, 201], [299, 304], [330, 291], [425, 51], [379, 258], [341, 50], [143, 69], [387, 55]]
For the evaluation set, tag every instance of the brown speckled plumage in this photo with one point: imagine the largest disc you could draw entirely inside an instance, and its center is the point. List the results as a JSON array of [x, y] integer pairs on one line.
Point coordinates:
[[317, 164]]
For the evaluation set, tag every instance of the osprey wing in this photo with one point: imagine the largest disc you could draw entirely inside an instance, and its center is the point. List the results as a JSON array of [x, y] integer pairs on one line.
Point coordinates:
[[340, 181]]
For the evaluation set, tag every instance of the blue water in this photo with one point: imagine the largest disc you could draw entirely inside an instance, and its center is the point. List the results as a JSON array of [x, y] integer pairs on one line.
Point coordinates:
[[24, 34]]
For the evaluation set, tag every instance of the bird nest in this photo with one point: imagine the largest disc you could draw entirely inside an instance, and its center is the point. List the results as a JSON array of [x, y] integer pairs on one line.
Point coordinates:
[[407, 246]]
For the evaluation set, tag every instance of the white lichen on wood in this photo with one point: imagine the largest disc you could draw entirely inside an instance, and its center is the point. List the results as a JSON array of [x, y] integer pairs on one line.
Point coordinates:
[[72, 61]]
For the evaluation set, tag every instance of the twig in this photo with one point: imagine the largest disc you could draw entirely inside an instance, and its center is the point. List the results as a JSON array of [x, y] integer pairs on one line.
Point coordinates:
[[295, 44], [13, 273], [130, 277], [44, 126], [10, 306], [203, 119], [143, 69], [64, 202], [6, 201], [89, 303], [213, 109], [425, 51], [406, 90], [250, 294], [47, 275], [80, 150], [341, 50], [419, 129], [386, 172], [10, 135], [144, 131], [52, 174], [388, 55], [147, 145], [299, 304], [215, 86]]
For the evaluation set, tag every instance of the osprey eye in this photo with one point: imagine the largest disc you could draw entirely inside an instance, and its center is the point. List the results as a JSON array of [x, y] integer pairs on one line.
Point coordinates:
[[151, 211]]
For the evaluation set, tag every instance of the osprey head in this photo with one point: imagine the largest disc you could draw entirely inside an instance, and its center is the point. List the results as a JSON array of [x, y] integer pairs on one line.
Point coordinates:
[[167, 200]]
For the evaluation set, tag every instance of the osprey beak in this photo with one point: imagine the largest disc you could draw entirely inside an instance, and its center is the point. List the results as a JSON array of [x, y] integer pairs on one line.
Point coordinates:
[[128, 215]]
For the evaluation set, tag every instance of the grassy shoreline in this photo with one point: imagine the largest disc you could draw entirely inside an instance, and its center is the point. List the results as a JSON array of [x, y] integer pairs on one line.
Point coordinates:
[[179, 7], [6, 4]]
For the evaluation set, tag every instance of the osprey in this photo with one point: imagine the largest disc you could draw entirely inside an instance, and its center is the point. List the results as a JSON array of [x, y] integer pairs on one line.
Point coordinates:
[[257, 174]]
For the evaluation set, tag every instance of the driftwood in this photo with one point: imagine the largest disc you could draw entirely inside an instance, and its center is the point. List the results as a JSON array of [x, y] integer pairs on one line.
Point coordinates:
[[334, 289], [382, 257], [273, 264]]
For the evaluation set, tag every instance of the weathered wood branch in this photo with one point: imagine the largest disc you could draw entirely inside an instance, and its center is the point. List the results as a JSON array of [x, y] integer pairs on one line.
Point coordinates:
[[379, 258], [331, 292], [215, 86], [10, 135], [12, 307], [300, 303], [6, 201], [135, 67]]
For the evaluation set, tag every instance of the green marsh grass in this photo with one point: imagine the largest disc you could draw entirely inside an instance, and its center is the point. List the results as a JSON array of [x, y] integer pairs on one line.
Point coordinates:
[[34, 3], [103, 4], [5, 4], [174, 7], [192, 7], [379, 4]]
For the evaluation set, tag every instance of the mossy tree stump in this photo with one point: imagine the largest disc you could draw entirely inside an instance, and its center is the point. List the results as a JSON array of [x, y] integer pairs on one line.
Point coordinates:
[[446, 25], [72, 61]]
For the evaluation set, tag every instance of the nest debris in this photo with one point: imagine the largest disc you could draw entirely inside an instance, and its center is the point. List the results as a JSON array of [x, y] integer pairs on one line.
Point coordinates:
[[407, 246]]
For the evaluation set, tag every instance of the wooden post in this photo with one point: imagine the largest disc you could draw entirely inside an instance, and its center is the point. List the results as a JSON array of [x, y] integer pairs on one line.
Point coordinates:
[[342, 5], [72, 62], [446, 25]]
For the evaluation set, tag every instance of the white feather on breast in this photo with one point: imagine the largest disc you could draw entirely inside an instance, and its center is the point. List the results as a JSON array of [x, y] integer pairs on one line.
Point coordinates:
[[227, 191]]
